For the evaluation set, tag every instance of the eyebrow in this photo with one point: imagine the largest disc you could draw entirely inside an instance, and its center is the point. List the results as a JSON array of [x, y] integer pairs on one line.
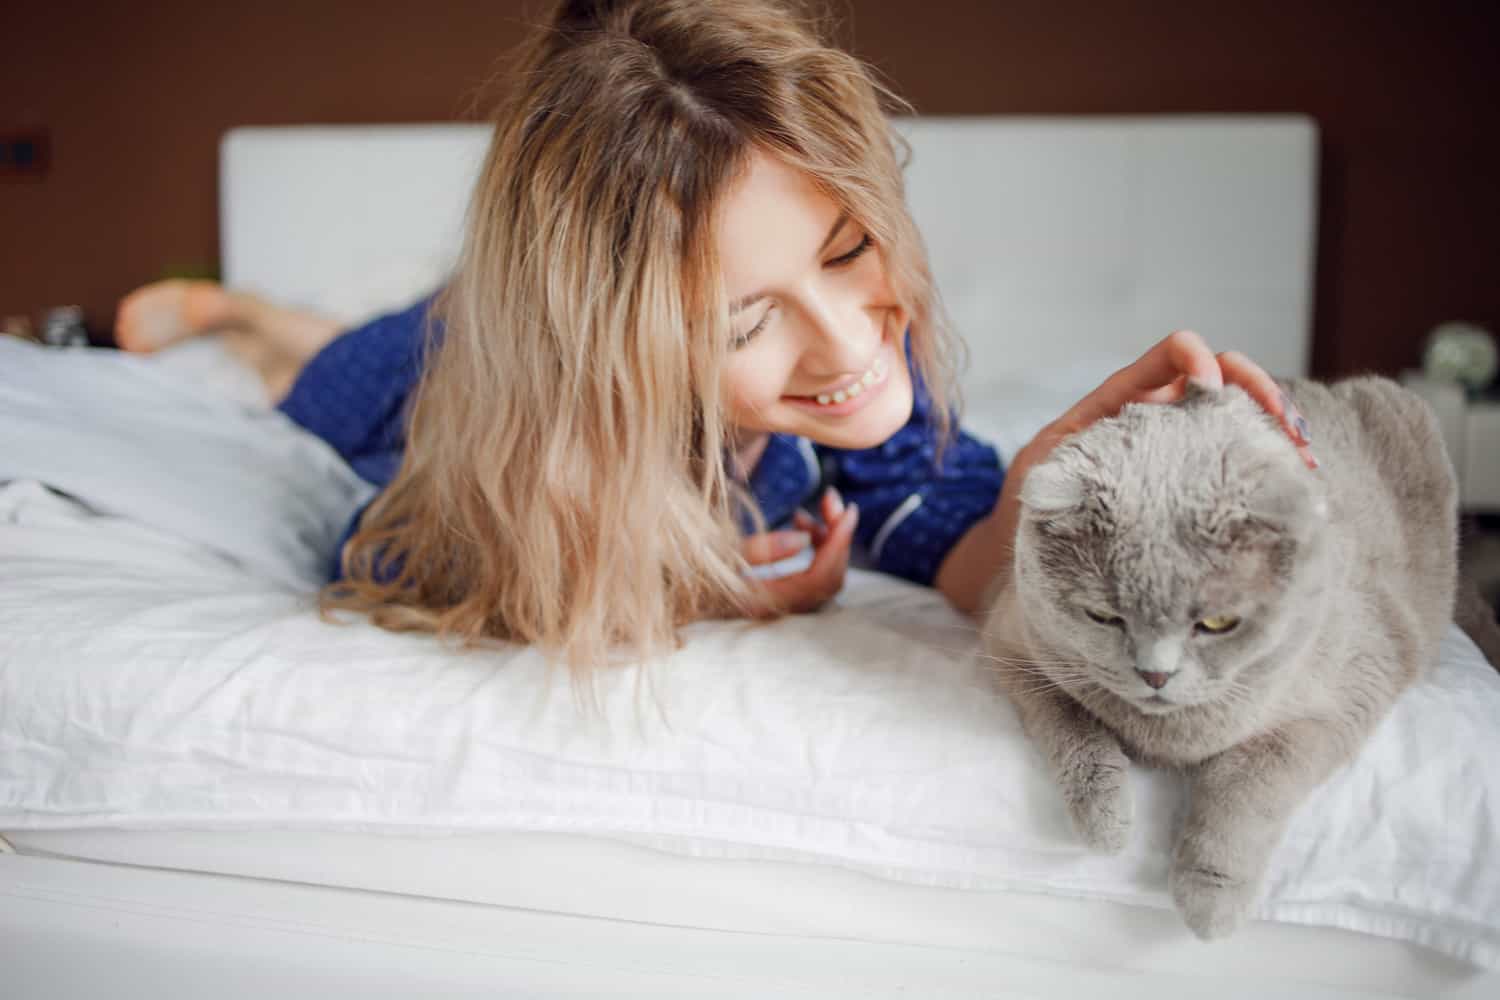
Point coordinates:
[[833, 234]]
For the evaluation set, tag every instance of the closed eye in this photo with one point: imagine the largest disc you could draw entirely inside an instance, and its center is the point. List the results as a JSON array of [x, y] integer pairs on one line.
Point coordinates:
[[1104, 617], [742, 339], [843, 260], [854, 254]]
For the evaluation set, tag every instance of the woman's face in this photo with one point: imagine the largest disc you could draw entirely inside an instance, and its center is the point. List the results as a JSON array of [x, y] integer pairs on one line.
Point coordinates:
[[818, 346]]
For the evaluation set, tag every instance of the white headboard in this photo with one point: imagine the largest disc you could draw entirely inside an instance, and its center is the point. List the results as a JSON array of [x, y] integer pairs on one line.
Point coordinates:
[[1054, 239]]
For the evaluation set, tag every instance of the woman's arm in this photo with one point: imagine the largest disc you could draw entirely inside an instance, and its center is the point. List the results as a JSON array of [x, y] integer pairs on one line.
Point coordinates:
[[1159, 376]]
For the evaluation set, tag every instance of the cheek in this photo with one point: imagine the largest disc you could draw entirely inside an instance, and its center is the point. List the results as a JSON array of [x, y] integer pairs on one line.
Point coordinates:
[[1109, 649], [751, 385]]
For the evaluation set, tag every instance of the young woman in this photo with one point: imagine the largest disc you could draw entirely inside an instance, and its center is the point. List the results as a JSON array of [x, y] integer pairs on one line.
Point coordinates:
[[690, 301]]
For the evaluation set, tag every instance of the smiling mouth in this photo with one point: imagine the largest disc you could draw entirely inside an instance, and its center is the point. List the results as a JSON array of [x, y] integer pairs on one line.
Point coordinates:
[[855, 387]]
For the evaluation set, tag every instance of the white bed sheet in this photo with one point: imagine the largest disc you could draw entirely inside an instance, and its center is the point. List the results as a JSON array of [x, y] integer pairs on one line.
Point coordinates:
[[151, 682]]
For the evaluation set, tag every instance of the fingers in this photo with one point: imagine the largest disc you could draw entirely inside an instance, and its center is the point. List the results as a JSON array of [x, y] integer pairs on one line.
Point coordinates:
[[1181, 354], [832, 505], [803, 521], [1161, 375], [772, 546], [833, 556], [1249, 376], [1167, 393], [830, 508], [816, 585]]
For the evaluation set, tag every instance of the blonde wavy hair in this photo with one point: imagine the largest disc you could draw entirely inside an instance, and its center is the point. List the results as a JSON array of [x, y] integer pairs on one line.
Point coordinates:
[[565, 482]]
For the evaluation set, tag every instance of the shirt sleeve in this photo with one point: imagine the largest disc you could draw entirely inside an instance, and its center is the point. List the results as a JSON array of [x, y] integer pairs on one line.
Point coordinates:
[[912, 511]]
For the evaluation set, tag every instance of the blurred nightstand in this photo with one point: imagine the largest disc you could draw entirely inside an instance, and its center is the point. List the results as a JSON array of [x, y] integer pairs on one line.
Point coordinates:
[[1471, 430]]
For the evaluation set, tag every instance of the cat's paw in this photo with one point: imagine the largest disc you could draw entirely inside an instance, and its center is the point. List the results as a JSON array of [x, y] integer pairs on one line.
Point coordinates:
[[1095, 784], [1213, 902]]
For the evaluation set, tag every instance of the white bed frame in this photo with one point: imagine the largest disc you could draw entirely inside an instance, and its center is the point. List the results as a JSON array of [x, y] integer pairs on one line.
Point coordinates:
[[1051, 238]]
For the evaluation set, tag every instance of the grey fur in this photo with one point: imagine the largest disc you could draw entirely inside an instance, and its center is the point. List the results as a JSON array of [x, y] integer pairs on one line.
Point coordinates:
[[1342, 578]]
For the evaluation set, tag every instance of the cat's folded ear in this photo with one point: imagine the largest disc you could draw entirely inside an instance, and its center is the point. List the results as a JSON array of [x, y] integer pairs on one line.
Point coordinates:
[[1278, 504], [1053, 486]]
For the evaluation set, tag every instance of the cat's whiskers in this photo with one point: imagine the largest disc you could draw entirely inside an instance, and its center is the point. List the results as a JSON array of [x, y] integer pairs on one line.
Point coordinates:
[[1034, 679], [1051, 671], [1031, 660]]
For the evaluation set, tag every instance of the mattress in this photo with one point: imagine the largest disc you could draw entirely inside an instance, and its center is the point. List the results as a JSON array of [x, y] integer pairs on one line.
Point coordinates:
[[646, 923]]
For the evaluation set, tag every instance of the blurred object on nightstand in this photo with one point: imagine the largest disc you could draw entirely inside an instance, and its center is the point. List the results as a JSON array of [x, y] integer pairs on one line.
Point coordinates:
[[1461, 352], [1470, 424], [18, 326], [63, 327]]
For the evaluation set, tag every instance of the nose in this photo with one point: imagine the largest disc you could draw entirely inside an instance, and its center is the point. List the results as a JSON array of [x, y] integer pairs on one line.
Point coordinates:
[[1158, 660], [842, 337]]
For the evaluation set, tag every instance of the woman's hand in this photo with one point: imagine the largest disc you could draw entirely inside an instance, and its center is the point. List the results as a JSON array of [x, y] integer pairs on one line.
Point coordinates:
[[982, 558], [1161, 376], [809, 589]]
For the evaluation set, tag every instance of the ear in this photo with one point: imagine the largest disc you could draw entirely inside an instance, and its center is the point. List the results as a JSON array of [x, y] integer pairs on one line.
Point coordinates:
[[1052, 488], [1280, 504]]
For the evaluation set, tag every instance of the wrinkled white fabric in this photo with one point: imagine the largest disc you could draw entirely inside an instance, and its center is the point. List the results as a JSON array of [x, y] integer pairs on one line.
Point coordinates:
[[154, 679]]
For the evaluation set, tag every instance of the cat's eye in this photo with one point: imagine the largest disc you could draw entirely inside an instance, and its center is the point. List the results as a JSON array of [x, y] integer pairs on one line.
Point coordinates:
[[1216, 624], [1104, 617]]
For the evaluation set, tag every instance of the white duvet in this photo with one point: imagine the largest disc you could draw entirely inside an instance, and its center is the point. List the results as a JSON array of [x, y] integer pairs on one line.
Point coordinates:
[[160, 670]]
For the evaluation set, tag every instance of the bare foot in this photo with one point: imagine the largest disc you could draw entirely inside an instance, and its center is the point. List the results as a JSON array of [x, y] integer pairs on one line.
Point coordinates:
[[164, 312], [274, 340]]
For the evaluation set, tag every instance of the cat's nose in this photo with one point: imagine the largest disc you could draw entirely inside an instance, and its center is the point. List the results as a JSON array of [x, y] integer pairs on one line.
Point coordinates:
[[1156, 680]]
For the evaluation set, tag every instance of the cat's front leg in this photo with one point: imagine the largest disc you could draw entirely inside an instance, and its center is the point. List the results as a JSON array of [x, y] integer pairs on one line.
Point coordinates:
[[1094, 775], [1240, 803], [1091, 769], [1086, 758]]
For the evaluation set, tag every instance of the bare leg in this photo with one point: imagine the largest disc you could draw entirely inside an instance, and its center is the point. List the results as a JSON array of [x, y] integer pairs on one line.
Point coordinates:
[[274, 340]]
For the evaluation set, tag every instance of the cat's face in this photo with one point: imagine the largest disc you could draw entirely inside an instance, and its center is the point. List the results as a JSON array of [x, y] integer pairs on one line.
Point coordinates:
[[1163, 553]]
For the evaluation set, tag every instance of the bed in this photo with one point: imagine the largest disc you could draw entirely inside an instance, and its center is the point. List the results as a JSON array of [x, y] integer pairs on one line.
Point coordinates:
[[204, 789]]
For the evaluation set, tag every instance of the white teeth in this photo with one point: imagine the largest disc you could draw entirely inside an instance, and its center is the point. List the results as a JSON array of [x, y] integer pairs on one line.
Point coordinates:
[[859, 385]]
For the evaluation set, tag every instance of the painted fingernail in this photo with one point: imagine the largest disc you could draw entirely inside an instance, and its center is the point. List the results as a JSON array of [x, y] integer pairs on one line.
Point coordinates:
[[1303, 431]]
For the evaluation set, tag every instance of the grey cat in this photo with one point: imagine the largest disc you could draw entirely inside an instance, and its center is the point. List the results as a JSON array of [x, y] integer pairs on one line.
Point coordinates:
[[1187, 592]]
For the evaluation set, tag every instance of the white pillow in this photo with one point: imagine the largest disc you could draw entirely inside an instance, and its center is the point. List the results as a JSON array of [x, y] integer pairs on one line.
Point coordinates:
[[179, 440]]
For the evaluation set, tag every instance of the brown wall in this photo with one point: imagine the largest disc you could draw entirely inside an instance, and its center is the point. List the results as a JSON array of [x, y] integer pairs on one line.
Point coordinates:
[[135, 97]]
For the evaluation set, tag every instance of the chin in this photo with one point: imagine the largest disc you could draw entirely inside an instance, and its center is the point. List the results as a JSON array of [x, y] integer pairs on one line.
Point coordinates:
[[872, 427], [1148, 707]]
